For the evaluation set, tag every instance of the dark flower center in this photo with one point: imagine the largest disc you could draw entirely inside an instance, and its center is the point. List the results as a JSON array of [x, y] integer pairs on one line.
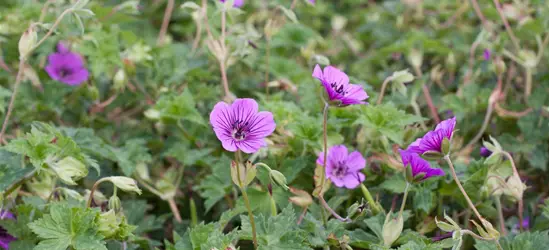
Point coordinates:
[[240, 129], [338, 88], [340, 169], [65, 72]]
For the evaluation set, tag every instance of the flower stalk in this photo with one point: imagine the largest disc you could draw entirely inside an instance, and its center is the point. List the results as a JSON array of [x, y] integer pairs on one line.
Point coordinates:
[[246, 200], [404, 199], [376, 208], [458, 183]]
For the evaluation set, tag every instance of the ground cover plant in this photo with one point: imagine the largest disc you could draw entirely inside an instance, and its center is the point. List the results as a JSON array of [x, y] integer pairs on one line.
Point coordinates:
[[274, 124]]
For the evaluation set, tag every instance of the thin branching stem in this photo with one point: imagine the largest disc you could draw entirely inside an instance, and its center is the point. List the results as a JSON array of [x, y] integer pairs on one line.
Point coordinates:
[[458, 183], [165, 23]]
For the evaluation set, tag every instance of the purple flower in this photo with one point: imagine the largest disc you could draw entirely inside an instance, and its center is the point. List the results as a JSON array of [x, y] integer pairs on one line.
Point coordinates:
[[419, 165], [487, 54], [240, 126], [343, 168], [236, 3], [66, 66], [432, 141], [5, 238], [485, 152], [312, 1], [337, 86]]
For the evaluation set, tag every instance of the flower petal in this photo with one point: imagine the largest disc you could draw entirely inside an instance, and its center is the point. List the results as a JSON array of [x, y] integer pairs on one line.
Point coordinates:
[[244, 109], [250, 146], [352, 181], [334, 75], [432, 141], [355, 162], [447, 126], [337, 181], [261, 125], [337, 153], [76, 77], [354, 94]]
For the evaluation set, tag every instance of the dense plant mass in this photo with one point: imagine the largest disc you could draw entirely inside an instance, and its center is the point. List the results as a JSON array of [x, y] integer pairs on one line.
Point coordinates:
[[274, 124]]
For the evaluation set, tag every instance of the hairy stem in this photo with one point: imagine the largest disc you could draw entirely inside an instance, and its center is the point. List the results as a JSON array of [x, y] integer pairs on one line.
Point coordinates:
[[267, 66], [507, 26], [497, 201], [325, 145], [175, 210], [404, 199], [458, 183], [165, 22], [327, 207], [92, 191], [382, 92], [246, 200], [528, 86], [479, 14]]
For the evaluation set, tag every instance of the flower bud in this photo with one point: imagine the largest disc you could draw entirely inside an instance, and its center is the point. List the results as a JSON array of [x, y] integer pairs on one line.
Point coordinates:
[[499, 66], [72, 194], [402, 76], [515, 187], [120, 79], [279, 179], [69, 170], [355, 211], [142, 171], [338, 22], [529, 58], [302, 198], [125, 183], [115, 204], [98, 197], [415, 58], [494, 185], [445, 147], [27, 41], [108, 224], [391, 229], [451, 62]]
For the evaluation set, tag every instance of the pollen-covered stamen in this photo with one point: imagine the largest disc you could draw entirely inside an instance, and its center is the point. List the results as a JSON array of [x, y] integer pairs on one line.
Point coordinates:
[[240, 130], [340, 169]]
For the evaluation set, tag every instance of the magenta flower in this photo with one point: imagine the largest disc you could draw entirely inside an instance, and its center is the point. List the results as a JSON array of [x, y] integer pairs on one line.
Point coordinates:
[[236, 3], [432, 141], [312, 1], [5, 238], [239, 126], [343, 168], [485, 152], [487, 54], [337, 86], [66, 66], [419, 165]]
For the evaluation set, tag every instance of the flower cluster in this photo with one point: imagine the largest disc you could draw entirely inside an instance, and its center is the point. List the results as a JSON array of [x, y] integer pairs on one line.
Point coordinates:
[[236, 3], [432, 143]]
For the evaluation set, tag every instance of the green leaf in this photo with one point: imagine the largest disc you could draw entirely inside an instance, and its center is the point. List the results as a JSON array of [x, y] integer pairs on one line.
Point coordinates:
[[132, 153], [522, 241], [279, 232], [179, 107], [424, 198], [214, 187], [395, 184], [67, 226], [11, 171]]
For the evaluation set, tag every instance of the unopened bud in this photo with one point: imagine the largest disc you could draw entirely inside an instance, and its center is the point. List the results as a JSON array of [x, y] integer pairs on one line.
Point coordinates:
[[27, 41], [108, 224], [152, 114], [120, 80], [279, 179], [415, 58], [115, 204], [451, 62], [125, 183], [515, 187], [499, 66]]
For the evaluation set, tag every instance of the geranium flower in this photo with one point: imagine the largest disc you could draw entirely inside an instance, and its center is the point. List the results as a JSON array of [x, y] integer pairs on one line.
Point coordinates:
[[337, 86], [432, 141], [239, 126], [66, 66], [485, 152], [5, 238], [419, 165], [236, 3], [343, 168]]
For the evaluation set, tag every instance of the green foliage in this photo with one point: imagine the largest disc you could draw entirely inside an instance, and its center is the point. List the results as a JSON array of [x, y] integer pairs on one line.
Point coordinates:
[[277, 232], [68, 226]]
